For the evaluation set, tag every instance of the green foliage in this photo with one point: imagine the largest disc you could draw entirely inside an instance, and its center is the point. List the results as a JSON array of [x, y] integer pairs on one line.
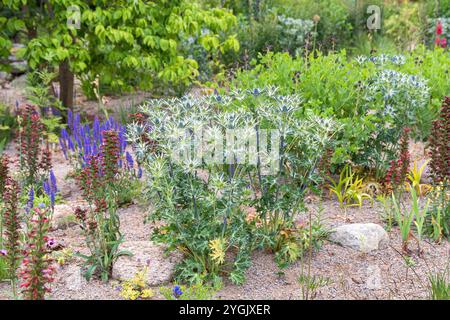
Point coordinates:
[[405, 25], [371, 97], [349, 190], [7, 123], [415, 214], [404, 221], [311, 284], [40, 92], [3, 269], [335, 26], [199, 291], [439, 285], [126, 45], [434, 66], [438, 221], [387, 213], [205, 206]]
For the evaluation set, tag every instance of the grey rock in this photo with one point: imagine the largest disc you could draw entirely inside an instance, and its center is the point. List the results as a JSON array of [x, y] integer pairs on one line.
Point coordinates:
[[19, 67], [160, 268], [5, 76], [363, 237]]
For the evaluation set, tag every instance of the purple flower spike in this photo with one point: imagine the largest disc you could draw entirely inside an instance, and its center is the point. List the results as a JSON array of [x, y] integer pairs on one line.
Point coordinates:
[[129, 159], [53, 185], [30, 202]]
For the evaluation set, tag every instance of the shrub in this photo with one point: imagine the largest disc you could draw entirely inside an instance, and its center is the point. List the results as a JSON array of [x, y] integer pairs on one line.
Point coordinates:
[[373, 98], [206, 206], [117, 41], [335, 26], [406, 25]]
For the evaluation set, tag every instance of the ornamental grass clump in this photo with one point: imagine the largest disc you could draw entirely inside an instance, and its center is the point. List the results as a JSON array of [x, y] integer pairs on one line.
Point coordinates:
[[224, 180], [36, 271], [98, 181]]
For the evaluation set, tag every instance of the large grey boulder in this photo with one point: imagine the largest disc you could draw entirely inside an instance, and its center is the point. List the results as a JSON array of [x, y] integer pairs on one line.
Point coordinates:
[[364, 237], [160, 267]]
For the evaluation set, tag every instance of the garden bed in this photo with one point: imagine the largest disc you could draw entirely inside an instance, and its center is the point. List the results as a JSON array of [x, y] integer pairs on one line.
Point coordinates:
[[350, 272]]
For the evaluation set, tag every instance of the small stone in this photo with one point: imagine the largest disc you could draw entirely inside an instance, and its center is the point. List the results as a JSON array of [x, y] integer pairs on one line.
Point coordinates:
[[363, 237]]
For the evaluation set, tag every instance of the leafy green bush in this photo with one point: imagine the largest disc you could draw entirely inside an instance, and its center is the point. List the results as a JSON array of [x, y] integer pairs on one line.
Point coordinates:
[[406, 24], [362, 94], [124, 46], [335, 26]]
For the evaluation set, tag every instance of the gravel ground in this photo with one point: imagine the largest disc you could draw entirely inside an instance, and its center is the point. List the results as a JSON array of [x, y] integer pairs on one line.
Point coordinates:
[[350, 274]]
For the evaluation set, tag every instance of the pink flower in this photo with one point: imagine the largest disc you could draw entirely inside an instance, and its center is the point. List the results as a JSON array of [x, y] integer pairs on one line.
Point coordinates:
[[439, 28], [3, 252], [443, 42]]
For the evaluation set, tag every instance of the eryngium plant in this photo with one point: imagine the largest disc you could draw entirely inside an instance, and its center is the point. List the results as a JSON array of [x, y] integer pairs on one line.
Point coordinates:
[[208, 169]]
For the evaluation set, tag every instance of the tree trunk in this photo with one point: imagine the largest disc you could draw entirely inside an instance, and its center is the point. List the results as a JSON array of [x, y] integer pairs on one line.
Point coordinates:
[[66, 84]]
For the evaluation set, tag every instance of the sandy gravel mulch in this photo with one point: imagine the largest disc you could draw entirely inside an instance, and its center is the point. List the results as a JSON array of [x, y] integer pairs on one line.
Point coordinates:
[[381, 274]]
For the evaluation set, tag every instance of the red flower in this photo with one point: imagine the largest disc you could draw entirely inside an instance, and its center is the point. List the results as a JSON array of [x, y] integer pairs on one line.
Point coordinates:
[[439, 28]]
